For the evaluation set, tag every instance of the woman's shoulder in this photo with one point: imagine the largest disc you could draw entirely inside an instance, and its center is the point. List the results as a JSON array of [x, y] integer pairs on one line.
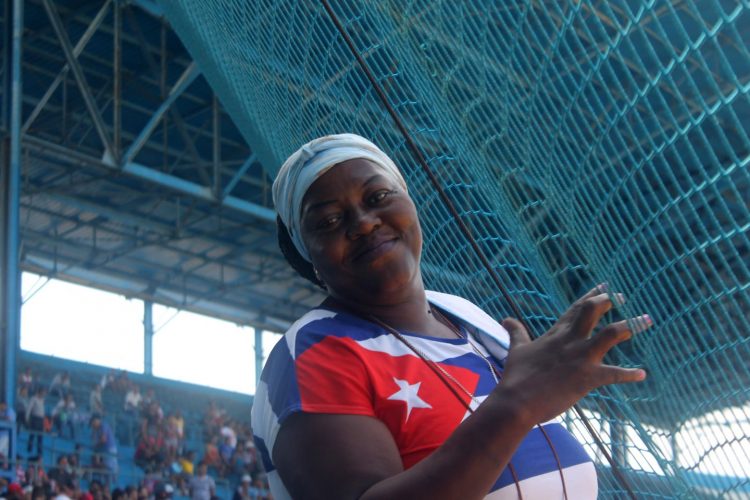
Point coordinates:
[[472, 315], [322, 323]]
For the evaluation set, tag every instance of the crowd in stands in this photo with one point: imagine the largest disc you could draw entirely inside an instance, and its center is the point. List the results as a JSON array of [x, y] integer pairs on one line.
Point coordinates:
[[169, 468]]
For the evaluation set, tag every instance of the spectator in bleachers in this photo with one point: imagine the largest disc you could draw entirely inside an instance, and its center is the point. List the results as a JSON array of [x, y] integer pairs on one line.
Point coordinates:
[[14, 491], [62, 472], [107, 379], [187, 467], [97, 491], [60, 385], [22, 403], [211, 455], [26, 379], [212, 420], [38, 493], [74, 459], [143, 493], [66, 491], [243, 490], [96, 403], [260, 490], [131, 493], [35, 413], [163, 490], [202, 486], [245, 458], [227, 431], [9, 416], [104, 446], [180, 423], [122, 382], [226, 452], [133, 400], [171, 438], [149, 398], [35, 474], [149, 451], [64, 415]]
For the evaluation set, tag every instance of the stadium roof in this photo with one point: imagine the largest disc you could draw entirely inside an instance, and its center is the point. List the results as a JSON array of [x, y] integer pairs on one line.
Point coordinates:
[[135, 179]]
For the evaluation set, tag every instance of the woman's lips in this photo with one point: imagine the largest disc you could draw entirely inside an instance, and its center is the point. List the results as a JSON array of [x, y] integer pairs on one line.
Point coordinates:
[[372, 252]]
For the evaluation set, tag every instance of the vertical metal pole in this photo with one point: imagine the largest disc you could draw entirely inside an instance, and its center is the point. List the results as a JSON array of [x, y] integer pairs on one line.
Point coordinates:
[[618, 438], [7, 35], [11, 184], [217, 148], [116, 91], [258, 355], [148, 337], [163, 94]]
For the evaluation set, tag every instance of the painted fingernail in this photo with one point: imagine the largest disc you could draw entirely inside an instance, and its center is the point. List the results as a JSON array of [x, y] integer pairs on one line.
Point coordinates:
[[619, 299], [602, 287], [642, 323]]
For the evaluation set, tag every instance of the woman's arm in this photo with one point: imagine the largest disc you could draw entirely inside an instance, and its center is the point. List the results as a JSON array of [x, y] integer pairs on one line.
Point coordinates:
[[346, 456]]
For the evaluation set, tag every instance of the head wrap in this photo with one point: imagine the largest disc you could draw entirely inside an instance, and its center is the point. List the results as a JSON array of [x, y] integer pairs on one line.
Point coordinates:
[[310, 162]]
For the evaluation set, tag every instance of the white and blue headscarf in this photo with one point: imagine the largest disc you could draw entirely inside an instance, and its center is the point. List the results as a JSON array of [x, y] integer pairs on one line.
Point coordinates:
[[311, 161]]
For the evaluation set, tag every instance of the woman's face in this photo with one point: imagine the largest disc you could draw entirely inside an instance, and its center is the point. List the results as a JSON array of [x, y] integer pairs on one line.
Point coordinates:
[[362, 232]]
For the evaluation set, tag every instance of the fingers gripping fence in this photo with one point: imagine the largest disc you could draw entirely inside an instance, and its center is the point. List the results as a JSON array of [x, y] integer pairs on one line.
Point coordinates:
[[580, 141]]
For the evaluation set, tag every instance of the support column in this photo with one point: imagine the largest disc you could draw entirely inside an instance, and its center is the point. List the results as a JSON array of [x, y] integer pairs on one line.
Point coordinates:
[[148, 337], [258, 355], [10, 175]]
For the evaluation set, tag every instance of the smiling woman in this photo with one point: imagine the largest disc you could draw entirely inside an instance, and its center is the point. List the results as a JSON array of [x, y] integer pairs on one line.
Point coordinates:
[[387, 390], [339, 216]]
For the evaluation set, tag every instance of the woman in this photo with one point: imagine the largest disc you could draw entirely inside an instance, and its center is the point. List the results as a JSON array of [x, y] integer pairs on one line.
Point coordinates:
[[390, 391]]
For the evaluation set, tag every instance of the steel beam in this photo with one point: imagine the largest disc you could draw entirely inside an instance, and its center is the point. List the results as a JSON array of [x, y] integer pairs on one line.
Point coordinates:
[[198, 191], [82, 42], [183, 82], [160, 69], [160, 178], [80, 77], [238, 175]]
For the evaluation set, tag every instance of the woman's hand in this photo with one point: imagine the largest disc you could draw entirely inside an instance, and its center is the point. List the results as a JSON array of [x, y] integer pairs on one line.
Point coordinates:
[[547, 376]]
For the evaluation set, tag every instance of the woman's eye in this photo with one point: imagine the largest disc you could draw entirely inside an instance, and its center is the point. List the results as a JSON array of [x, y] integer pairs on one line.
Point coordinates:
[[327, 222], [380, 196]]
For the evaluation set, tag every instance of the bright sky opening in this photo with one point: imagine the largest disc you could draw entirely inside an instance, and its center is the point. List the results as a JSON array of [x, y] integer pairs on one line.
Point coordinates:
[[83, 324]]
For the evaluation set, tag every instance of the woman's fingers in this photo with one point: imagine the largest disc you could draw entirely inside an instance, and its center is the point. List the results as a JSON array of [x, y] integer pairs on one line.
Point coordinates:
[[583, 315], [614, 333], [518, 334], [618, 375], [586, 313], [599, 289]]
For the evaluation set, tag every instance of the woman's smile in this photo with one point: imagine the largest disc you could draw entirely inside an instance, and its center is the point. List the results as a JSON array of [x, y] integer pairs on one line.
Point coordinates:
[[374, 249]]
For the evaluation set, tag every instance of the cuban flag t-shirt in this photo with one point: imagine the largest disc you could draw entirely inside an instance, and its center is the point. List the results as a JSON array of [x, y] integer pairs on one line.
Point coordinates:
[[334, 362]]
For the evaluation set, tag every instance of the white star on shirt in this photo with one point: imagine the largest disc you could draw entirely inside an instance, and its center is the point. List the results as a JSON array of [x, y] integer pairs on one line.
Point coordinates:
[[408, 394]]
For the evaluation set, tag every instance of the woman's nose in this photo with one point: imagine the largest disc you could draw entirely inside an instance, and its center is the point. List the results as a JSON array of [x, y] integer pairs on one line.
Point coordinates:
[[362, 222]]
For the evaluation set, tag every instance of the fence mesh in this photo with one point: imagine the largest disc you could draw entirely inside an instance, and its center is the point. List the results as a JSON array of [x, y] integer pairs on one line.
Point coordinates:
[[582, 141]]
